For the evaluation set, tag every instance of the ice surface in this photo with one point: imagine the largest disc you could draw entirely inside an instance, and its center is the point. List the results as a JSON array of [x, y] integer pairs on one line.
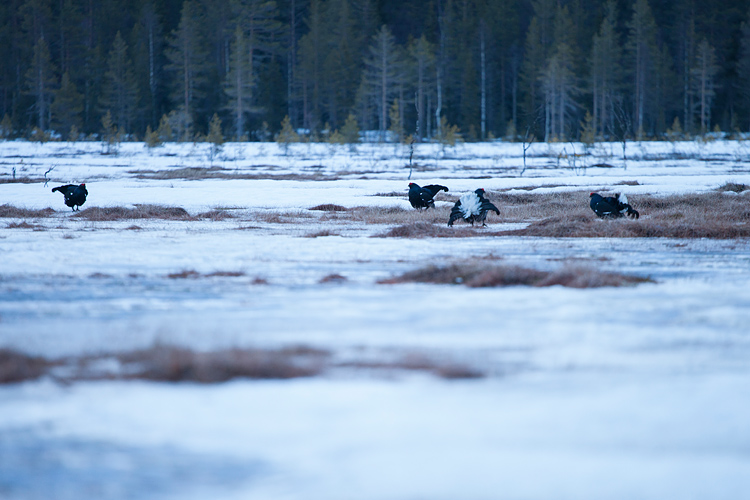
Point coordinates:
[[614, 393]]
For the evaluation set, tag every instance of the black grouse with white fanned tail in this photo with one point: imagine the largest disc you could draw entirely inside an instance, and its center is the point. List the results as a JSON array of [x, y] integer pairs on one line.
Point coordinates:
[[75, 196], [422, 197], [472, 207], [612, 207]]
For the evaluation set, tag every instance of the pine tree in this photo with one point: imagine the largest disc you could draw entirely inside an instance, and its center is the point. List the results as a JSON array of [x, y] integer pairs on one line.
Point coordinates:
[[120, 91], [743, 68], [642, 54], [40, 81], [148, 62], [606, 73], [256, 36], [383, 67], [422, 61], [239, 84], [310, 70], [703, 75], [187, 63]]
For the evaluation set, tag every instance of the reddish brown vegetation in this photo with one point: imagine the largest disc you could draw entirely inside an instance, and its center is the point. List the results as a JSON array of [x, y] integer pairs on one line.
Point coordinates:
[[139, 212], [478, 275], [11, 212]]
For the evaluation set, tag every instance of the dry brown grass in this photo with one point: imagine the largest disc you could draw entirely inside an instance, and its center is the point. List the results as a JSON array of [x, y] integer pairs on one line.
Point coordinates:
[[20, 180], [25, 225], [288, 217], [176, 364], [11, 212], [477, 275], [333, 278], [100, 214], [420, 229], [705, 215], [329, 207], [419, 362], [193, 274], [198, 173], [322, 233], [168, 363], [17, 367], [215, 215], [734, 187]]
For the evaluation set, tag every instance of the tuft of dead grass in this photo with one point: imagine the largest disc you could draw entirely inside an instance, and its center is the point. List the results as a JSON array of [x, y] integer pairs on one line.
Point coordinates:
[[12, 212], [177, 364], [422, 229], [477, 275], [733, 187], [322, 233], [329, 207], [17, 367], [20, 180], [25, 225], [215, 215], [333, 278], [100, 214], [193, 274]]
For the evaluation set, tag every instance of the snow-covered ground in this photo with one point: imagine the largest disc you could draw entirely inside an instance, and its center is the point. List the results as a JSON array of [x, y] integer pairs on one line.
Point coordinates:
[[610, 393]]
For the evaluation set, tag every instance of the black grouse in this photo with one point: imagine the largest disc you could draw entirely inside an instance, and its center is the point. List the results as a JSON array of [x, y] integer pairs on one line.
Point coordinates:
[[422, 197], [472, 207], [612, 207], [75, 196]]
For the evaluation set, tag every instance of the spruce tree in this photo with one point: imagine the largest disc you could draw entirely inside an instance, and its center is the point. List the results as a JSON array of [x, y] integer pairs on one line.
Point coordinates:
[[67, 106]]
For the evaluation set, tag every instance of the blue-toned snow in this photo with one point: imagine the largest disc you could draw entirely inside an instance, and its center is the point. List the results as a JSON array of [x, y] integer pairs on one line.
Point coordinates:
[[614, 393]]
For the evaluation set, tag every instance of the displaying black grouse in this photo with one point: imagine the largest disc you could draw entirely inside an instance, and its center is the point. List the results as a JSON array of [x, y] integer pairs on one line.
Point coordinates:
[[612, 207], [75, 196], [422, 197], [472, 207]]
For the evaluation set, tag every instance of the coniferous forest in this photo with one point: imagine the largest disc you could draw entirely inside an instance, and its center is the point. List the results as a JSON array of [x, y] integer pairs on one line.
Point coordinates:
[[557, 69]]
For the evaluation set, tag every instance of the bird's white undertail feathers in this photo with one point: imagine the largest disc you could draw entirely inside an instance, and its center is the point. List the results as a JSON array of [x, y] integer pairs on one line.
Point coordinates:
[[622, 198], [470, 204]]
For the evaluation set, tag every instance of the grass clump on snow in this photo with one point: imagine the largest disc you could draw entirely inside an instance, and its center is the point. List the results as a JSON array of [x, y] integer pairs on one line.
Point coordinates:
[[476, 276], [705, 215], [177, 364], [17, 367], [139, 212], [12, 212]]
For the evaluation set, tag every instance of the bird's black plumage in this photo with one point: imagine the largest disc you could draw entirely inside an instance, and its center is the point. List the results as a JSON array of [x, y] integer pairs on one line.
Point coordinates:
[[422, 197], [472, 207], [75, 196], [612, 207]]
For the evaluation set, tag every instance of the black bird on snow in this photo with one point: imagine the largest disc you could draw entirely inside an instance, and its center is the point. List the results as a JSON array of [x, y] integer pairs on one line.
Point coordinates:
[[75, 196], [472, 207], [612, 207], [422, 197]]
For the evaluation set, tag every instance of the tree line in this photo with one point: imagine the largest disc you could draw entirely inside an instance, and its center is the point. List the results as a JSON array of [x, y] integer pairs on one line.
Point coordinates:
[[425, 69]]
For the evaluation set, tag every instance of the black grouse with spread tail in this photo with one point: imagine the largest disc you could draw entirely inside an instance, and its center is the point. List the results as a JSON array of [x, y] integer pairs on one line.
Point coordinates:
[[422, 197], [75, 196], [472, 207], [612, 207]]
